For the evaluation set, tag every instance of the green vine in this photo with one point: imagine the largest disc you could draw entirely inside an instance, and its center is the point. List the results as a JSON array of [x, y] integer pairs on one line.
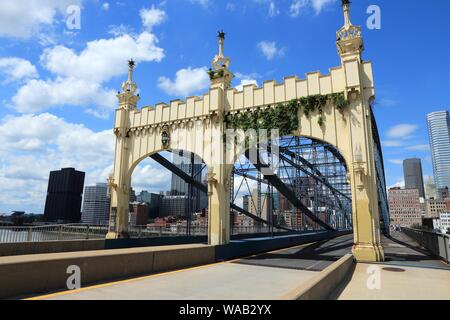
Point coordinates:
[[285, 116]]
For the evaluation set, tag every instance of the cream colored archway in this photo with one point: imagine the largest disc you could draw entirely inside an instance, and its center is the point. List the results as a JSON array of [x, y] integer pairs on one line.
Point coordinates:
[[197, 125]]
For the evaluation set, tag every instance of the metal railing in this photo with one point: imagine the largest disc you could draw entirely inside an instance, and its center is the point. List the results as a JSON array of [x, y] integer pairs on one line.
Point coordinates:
[[436, 243], [84, 232], [51, 233]]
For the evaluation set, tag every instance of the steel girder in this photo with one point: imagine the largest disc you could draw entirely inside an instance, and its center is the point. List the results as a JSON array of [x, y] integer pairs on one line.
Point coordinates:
[[275, 181], [204, 188]]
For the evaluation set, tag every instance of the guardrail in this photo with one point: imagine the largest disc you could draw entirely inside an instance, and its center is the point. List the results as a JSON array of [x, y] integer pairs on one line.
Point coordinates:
[[85, 232], [436, 243]]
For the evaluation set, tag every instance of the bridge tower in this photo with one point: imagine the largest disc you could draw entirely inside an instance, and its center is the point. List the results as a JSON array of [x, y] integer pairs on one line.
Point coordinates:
[[219, 171], [120, 181], [362, 172]]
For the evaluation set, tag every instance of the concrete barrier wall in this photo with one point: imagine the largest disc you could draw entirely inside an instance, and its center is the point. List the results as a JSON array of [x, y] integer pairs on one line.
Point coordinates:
[[322, 286], [15, 249], [38, 274], [243, 248], [436, 244]]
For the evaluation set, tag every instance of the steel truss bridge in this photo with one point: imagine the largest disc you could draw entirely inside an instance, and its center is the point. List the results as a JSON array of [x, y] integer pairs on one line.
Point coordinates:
[[307, 189]]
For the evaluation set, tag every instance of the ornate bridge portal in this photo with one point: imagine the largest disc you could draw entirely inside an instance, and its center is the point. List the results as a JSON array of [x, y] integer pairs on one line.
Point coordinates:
[[225, 125]]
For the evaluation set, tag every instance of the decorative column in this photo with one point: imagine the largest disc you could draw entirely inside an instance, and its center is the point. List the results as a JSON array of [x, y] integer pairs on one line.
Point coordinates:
[[120, 181], [362, 171], [219, 170]]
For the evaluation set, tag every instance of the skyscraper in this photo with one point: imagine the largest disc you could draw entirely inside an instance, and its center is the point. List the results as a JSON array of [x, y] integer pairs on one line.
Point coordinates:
[[181, 188], [96, 205], [439, 133], [412, 170], [63, 203]]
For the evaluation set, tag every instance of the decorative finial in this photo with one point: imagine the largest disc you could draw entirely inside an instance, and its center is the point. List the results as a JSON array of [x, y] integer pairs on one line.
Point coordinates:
[[221, 35], [346, 6], [349, 39], [219, 74], [220, 61], [129, 86]]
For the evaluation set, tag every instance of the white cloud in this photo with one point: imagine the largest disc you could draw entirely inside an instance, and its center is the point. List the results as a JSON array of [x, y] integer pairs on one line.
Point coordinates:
[[396, 161], [270, 50], [419, 147], [152, 17], [245, 82], [25, 18], [33, 145], [398, 184], [40, 95], [401, 131], [392, 143], [17, 69], [273, 10], [105, 6], [296, 7], [317, 5], [80, 80], [187, 82], [203, 3]]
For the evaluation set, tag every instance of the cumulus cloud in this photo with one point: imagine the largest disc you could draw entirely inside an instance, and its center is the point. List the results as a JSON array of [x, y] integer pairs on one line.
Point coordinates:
[[245, 82], [152, 17], [25, 18], [80, 80], [33, 145], [17, 69], [187, 82], [270, 49]]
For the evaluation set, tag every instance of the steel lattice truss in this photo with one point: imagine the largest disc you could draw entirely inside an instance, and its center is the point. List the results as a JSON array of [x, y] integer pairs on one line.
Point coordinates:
[[302, 169]]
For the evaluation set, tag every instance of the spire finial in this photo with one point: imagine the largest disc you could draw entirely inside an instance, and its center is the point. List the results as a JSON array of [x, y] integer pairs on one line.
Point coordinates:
[[131, 65], [129, 86], [221, 37], [349, 40], [346, 7], [220, 61], [219, 73]]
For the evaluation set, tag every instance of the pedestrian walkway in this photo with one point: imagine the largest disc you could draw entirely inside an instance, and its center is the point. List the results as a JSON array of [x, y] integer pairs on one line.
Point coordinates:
[[409, 273], [268, 276]]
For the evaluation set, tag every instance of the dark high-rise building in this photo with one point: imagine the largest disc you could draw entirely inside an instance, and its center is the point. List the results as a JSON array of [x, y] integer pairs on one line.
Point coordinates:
[[65, 189], [412, 170], [180, 188]]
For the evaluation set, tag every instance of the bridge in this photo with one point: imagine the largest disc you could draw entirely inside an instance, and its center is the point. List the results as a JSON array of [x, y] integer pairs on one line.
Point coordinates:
[[314, 141]]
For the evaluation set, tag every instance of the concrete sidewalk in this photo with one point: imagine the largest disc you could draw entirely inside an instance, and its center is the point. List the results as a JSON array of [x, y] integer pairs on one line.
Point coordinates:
[[409, 273], [268, 276]]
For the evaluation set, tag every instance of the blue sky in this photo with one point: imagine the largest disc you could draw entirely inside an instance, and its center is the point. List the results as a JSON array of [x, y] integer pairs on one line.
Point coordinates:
[[57, 85]]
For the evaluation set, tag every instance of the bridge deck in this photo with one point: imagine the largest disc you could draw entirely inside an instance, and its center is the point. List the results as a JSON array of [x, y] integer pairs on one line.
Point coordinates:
[[408, 273], [266, 276]]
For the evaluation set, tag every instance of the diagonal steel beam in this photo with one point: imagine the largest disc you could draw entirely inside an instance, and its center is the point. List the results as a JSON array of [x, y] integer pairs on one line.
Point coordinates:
[[204, 188], [286, 192]]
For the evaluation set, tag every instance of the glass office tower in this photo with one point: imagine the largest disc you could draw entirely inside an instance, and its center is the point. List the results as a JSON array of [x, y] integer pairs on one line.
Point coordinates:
[[439, 133]]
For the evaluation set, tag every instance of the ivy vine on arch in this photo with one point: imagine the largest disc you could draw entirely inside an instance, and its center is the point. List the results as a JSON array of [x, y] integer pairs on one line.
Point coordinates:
[[285, 116]]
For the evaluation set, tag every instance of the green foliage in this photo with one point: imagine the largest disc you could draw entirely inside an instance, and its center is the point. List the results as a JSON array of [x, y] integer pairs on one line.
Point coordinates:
[[285, 116], [215, 74]]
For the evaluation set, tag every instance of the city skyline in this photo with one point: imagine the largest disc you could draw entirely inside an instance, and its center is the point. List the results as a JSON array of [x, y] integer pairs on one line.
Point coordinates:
[[40, 134]]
